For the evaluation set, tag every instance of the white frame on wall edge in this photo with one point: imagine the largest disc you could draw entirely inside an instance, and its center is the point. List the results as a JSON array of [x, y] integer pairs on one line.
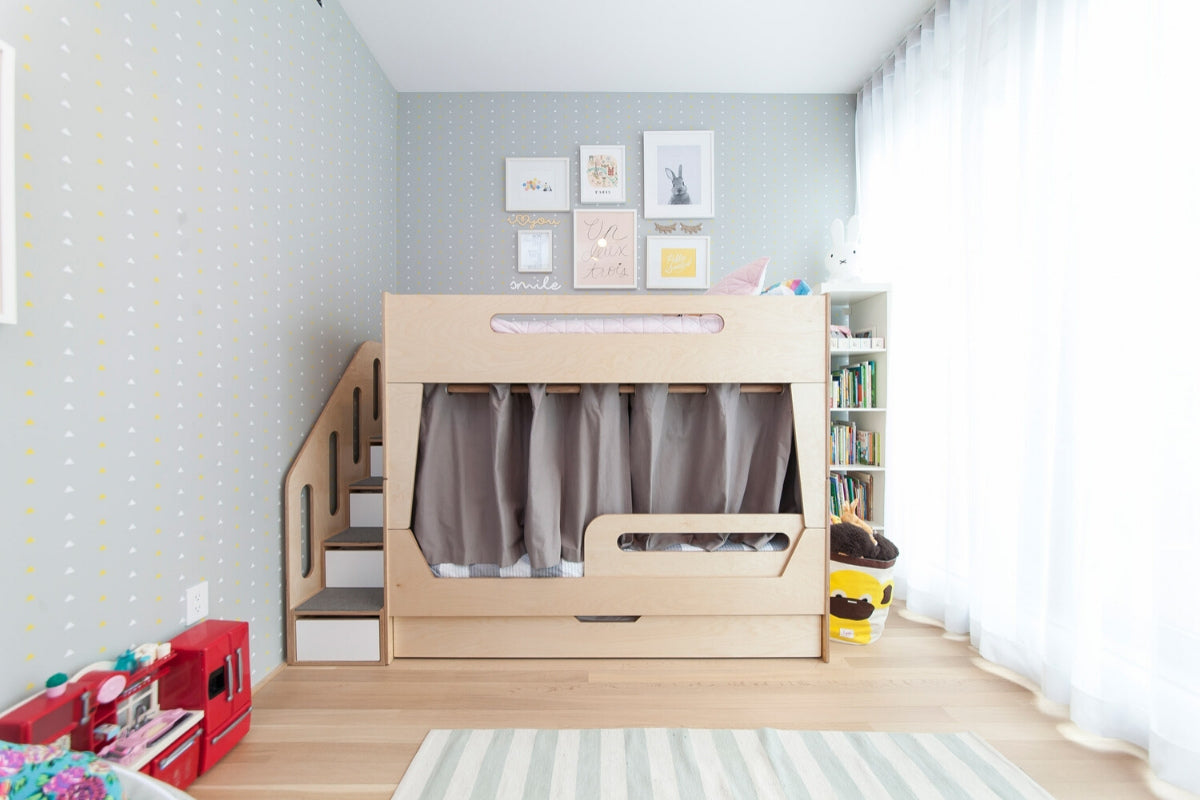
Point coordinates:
[[8, 250]]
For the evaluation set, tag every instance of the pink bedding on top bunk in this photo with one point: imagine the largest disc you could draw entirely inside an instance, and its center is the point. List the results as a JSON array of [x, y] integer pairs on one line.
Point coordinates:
[[626, 323]]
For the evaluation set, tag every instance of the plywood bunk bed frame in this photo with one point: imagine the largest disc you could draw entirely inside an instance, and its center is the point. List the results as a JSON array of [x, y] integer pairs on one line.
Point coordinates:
[[643, 604]]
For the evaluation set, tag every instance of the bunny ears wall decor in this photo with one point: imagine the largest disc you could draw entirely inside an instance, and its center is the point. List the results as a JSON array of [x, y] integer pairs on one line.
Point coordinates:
[[842, 260]]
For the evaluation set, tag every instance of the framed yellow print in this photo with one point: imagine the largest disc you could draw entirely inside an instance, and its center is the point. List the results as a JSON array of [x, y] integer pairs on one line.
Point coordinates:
[[677, 262]]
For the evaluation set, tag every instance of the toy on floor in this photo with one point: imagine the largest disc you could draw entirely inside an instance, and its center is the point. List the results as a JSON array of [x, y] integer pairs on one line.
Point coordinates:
[[860, 578]]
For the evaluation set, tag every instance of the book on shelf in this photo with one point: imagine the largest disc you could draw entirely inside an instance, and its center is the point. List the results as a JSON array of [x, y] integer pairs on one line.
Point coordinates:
[[842, 436], [854, 386], [868, 448], [849, 445], [845, 488]]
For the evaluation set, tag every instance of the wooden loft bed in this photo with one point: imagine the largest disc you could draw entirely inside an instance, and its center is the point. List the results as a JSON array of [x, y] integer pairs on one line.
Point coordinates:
[[644, 604]]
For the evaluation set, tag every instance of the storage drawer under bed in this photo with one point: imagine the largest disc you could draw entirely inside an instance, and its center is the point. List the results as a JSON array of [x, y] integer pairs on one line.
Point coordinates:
[[790, 636]]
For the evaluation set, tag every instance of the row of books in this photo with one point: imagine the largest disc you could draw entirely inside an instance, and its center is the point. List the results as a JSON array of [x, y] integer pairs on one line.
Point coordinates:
[[853, 386], [845, 488], [849, 445]]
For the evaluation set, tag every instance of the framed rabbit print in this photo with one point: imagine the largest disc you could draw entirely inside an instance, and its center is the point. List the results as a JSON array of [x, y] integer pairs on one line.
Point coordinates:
[[602, 174], [678, 174], [537, 184]]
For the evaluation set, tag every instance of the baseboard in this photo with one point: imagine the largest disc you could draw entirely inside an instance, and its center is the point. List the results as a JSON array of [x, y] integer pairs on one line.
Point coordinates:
[[266, 678]]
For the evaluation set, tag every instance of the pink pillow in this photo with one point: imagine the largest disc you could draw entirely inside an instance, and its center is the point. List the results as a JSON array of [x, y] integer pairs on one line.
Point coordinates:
[[744, 280]]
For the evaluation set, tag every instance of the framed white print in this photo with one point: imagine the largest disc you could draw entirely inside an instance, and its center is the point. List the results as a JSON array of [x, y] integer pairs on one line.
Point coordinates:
[[605, 252], [537, 184], [677, 262], [8, 216], [535, 251], [602, 173], [679, 174]]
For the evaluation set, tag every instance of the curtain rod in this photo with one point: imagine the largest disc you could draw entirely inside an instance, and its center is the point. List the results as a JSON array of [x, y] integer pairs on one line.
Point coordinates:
[[624, 388]]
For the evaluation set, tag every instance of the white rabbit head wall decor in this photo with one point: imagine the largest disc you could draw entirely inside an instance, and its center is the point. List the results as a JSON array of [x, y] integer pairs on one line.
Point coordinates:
[[842, 261]]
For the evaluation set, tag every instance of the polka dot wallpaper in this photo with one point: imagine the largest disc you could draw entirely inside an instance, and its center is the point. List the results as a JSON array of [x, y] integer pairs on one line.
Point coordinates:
[[784, 171], [205, 198]]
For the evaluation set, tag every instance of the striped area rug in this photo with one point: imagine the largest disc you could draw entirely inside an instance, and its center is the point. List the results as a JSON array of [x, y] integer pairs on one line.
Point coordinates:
[[684, 764]]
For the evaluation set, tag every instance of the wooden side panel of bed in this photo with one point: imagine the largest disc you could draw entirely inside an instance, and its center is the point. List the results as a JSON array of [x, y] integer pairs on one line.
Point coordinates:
[[675, 604]]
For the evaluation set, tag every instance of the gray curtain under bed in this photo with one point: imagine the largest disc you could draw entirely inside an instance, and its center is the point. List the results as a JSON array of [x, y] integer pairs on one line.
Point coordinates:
[[504, 474]]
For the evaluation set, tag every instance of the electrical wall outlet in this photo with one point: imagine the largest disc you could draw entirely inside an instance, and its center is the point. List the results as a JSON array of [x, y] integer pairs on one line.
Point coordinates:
[[196, 603]]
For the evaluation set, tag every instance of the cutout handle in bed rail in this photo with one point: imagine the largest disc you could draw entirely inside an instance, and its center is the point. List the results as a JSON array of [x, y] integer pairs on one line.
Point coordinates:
[[541, 324], [603, 555]]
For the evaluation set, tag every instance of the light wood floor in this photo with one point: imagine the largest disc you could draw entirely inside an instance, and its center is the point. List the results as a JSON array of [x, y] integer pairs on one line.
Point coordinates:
[[349, 732]]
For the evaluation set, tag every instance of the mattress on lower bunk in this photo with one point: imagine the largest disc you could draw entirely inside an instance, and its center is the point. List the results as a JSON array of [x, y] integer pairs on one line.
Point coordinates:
[[521, 568], [511, 480]]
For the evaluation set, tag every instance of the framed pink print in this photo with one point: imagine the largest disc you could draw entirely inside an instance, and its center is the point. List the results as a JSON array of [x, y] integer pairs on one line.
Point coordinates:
[[605, 253]]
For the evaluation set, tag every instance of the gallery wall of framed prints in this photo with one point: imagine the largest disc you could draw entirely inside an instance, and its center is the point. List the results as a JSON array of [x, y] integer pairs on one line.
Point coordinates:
[[678, 183]]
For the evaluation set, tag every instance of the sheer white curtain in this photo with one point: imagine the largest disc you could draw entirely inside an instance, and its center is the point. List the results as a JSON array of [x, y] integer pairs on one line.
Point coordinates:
[[1028, 175]]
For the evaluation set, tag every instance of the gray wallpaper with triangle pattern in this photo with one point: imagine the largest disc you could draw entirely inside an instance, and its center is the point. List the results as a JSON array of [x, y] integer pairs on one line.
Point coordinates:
[[205, 202]]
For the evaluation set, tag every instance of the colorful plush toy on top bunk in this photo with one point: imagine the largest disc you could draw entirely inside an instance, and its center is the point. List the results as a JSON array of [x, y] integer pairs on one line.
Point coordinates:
[[794, 286]]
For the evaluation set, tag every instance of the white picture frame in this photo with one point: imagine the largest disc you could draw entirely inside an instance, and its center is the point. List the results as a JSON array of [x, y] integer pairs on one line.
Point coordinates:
[[678, 160], [537, 184], [8, 216], [535, 251], [602, 176], [678, 262], [605, 249]]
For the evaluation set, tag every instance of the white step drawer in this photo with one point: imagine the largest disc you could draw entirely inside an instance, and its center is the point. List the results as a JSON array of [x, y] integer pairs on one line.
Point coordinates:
[[340, 639], [366, 509], [353, 568]]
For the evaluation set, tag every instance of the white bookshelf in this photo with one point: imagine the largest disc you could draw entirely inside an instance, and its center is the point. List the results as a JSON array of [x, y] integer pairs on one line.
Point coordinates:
[[863, 307]]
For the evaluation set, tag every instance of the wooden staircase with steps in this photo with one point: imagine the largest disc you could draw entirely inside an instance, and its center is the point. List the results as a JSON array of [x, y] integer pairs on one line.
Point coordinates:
[[333, 527]]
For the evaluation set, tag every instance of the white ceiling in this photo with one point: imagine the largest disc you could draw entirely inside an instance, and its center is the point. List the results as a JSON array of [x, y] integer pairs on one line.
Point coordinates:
[[755, 46]]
